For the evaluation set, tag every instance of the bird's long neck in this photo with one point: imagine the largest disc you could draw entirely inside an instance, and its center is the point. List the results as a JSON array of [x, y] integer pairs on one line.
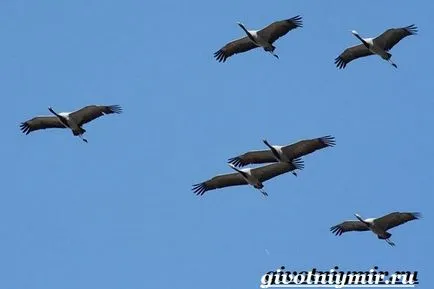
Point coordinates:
[[247, 32], [363, 221], [363, 40], [273, 150], [53, 112], [62, 119], [267, 144], [235, 169], [239, 171]]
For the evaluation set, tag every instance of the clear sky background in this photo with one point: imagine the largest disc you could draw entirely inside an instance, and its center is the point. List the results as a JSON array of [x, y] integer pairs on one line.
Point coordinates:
[[119, 212]]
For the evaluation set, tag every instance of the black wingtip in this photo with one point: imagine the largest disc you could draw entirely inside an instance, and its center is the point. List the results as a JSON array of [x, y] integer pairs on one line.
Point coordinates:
[[236, 161], [298, 163], [199, 189], [328, 140], [336, 230], [297, 20], [220, 56], [25, 128], [340, 63], [412, 29], [115, 108]]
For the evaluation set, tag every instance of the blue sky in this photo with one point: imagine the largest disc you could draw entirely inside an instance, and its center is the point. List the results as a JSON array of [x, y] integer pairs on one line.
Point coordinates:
[[118, 212]]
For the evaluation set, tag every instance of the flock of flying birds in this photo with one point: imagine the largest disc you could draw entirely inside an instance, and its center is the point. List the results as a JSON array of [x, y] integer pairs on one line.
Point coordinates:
[[283, 159]]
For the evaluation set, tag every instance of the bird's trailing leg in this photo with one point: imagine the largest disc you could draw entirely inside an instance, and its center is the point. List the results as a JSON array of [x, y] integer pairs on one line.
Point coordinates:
[[271, 50], [393, 64], [263, 192], [390, 242], [275, 55], [81, 136]]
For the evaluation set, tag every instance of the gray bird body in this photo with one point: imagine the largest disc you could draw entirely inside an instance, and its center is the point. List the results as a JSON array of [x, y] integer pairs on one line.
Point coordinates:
[[380, 45], [72, 120], [379, 226], [259, 38], [284, 153], [251, 176]]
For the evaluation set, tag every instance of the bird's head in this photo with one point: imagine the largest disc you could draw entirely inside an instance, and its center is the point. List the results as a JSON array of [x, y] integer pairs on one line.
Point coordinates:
[[240, 24], [358, 217], [50, 108], [237, 169], [265, 141], [354, 32]]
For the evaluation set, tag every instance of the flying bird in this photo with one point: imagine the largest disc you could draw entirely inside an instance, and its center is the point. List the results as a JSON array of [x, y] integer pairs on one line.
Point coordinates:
[[378, 226], [379, 45], [254, 177], [283, 153], [263, 38], [72, 120]]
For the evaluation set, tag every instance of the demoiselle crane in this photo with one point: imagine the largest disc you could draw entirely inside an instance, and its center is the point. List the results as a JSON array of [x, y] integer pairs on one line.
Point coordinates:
[[283, 153], [254, 177], [72, 120], [379, 45], [378, 226], [259, 38]]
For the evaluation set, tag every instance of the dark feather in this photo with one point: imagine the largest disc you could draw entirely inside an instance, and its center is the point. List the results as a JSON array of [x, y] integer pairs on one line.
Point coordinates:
[[91, 112], [234, 47], [292, 151], [395, 219], [348, 226], [280, 28], [40, 122], [351, 54], [392, 36]]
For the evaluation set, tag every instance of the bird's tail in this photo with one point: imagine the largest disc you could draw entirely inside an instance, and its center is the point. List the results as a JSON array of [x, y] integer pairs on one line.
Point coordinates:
[[79, 132], [386, 235], [271, 48]]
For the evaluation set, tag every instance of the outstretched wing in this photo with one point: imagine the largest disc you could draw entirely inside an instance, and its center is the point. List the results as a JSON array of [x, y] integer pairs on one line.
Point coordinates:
[[279, 28], [392, 36], [350, 54], [217, 182], [267, 172], [252, 157], [91, 112], [395, 219], [308, 146], [292, 151], [237, 46], [40, 122], [348, 226]]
